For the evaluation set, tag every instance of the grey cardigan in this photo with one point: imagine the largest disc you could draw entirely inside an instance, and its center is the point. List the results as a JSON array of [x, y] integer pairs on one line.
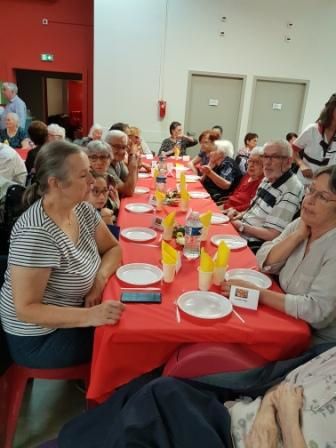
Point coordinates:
[[309, 281]]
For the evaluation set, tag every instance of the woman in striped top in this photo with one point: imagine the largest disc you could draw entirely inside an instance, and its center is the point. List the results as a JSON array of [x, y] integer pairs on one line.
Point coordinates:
[[61, 255]]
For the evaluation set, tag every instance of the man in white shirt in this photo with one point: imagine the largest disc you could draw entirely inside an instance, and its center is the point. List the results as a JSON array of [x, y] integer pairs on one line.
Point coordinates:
[[15, 104], [12, 167]]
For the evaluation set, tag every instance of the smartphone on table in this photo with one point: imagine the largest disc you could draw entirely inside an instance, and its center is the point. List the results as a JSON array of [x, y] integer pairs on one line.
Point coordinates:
[[150, 297]]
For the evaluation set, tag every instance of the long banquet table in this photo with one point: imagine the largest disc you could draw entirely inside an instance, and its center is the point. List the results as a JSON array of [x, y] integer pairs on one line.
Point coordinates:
[[147, 335]]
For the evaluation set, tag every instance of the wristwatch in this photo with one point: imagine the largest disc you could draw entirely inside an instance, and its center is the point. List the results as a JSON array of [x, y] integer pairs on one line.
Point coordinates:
[[241, 228]]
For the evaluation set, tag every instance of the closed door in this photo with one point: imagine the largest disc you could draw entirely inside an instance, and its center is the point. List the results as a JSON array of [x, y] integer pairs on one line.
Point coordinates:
[[214, 100], [277, 109]]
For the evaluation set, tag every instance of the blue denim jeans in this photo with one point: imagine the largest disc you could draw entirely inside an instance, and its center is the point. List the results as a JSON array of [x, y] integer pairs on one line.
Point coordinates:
[[62, 348]]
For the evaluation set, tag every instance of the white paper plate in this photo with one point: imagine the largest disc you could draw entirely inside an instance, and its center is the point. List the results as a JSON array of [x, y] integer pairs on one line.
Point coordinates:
[[219, 218], [255, 277], [181, 168], [234, 242], [138, 233], [199, 194], [141, 190], [204, 304], [139, 274], [139, 207], [192, 178], [143, 175]]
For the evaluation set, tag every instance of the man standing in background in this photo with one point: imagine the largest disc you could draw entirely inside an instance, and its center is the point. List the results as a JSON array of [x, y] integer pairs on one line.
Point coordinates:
[[15, 104]]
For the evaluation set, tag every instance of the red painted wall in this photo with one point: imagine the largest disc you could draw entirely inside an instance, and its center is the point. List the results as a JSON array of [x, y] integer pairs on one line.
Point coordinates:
[[68, 36]]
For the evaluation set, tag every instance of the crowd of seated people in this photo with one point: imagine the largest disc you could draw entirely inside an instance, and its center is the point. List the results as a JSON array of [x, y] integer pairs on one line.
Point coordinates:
[[75, 189]]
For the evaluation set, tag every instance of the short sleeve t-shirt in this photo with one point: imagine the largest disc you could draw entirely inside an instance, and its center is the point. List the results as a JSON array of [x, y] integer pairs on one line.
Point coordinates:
[[313, 154], [37, 242]]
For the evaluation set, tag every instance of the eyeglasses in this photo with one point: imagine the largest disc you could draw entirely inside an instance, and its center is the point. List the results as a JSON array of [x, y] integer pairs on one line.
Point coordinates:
[[97, 192], [254, 162], [273, 157], [319, 195], [119, 147], [102, 157]]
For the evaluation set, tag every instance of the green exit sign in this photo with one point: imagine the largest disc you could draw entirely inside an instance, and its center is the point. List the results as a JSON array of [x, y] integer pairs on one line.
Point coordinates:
[[47, 57]]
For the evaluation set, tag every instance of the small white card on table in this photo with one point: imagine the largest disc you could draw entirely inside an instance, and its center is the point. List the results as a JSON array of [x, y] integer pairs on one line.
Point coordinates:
[[244, 297]]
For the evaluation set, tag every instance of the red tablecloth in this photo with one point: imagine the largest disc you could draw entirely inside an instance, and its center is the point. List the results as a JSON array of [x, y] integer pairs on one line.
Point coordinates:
[[147, 335]]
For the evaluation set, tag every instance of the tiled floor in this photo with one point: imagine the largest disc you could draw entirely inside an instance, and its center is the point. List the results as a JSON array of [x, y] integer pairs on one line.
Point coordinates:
[[47, 406]]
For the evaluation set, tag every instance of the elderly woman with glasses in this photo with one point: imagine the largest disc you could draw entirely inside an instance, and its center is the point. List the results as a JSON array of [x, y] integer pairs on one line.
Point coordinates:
[[304, 257], [100, 154]]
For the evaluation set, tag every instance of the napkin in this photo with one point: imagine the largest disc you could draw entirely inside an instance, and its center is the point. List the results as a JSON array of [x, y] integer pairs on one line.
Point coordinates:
[[159, 196], [169, 254], [169, 220], [185, 196], [222, 257], [183, 182], [205, 219], [206, 262]]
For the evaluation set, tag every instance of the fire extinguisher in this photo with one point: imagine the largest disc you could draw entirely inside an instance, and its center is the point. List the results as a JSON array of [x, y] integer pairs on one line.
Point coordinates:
[[162, 108]]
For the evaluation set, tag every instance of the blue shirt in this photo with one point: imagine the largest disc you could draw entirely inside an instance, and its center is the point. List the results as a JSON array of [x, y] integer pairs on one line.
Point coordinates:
[[19, 107]]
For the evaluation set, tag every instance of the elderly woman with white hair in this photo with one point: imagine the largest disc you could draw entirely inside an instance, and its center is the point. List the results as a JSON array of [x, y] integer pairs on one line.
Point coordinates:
[[222, 174], [12, 135], [55, 132], [95, 134]]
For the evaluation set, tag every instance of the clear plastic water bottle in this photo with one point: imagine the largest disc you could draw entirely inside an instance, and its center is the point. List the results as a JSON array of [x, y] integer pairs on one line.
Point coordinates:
[[161, 182], [162, 165], [193, 231]]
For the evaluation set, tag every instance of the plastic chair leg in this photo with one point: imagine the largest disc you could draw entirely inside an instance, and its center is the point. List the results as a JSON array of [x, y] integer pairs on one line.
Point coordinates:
[[16, 394]]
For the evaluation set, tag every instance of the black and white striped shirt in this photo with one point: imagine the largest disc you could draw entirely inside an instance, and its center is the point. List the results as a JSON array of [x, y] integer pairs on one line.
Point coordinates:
[[37, 242], [275, 204]]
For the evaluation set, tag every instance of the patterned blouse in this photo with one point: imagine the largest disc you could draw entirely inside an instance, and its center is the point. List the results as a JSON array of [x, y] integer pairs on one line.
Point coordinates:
[[168, 145], [16, 140]]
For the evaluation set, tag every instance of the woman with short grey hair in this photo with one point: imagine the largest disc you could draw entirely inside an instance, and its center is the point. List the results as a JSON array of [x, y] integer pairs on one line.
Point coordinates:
[[61, 255], [222, 174], [13, 135], [100, 156], [304, 257]]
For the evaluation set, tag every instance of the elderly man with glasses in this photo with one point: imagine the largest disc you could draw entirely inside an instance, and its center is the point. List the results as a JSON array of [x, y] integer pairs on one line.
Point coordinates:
[[277, 200], [124, 175]]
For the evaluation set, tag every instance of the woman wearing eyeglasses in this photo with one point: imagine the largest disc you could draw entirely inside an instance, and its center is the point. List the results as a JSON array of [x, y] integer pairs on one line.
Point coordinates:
[[304, 257], [99, 154], [316, 146]]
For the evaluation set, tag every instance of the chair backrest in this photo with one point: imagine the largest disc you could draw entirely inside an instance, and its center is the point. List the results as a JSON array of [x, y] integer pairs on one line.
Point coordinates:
[[13, 204], [13, 208]]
